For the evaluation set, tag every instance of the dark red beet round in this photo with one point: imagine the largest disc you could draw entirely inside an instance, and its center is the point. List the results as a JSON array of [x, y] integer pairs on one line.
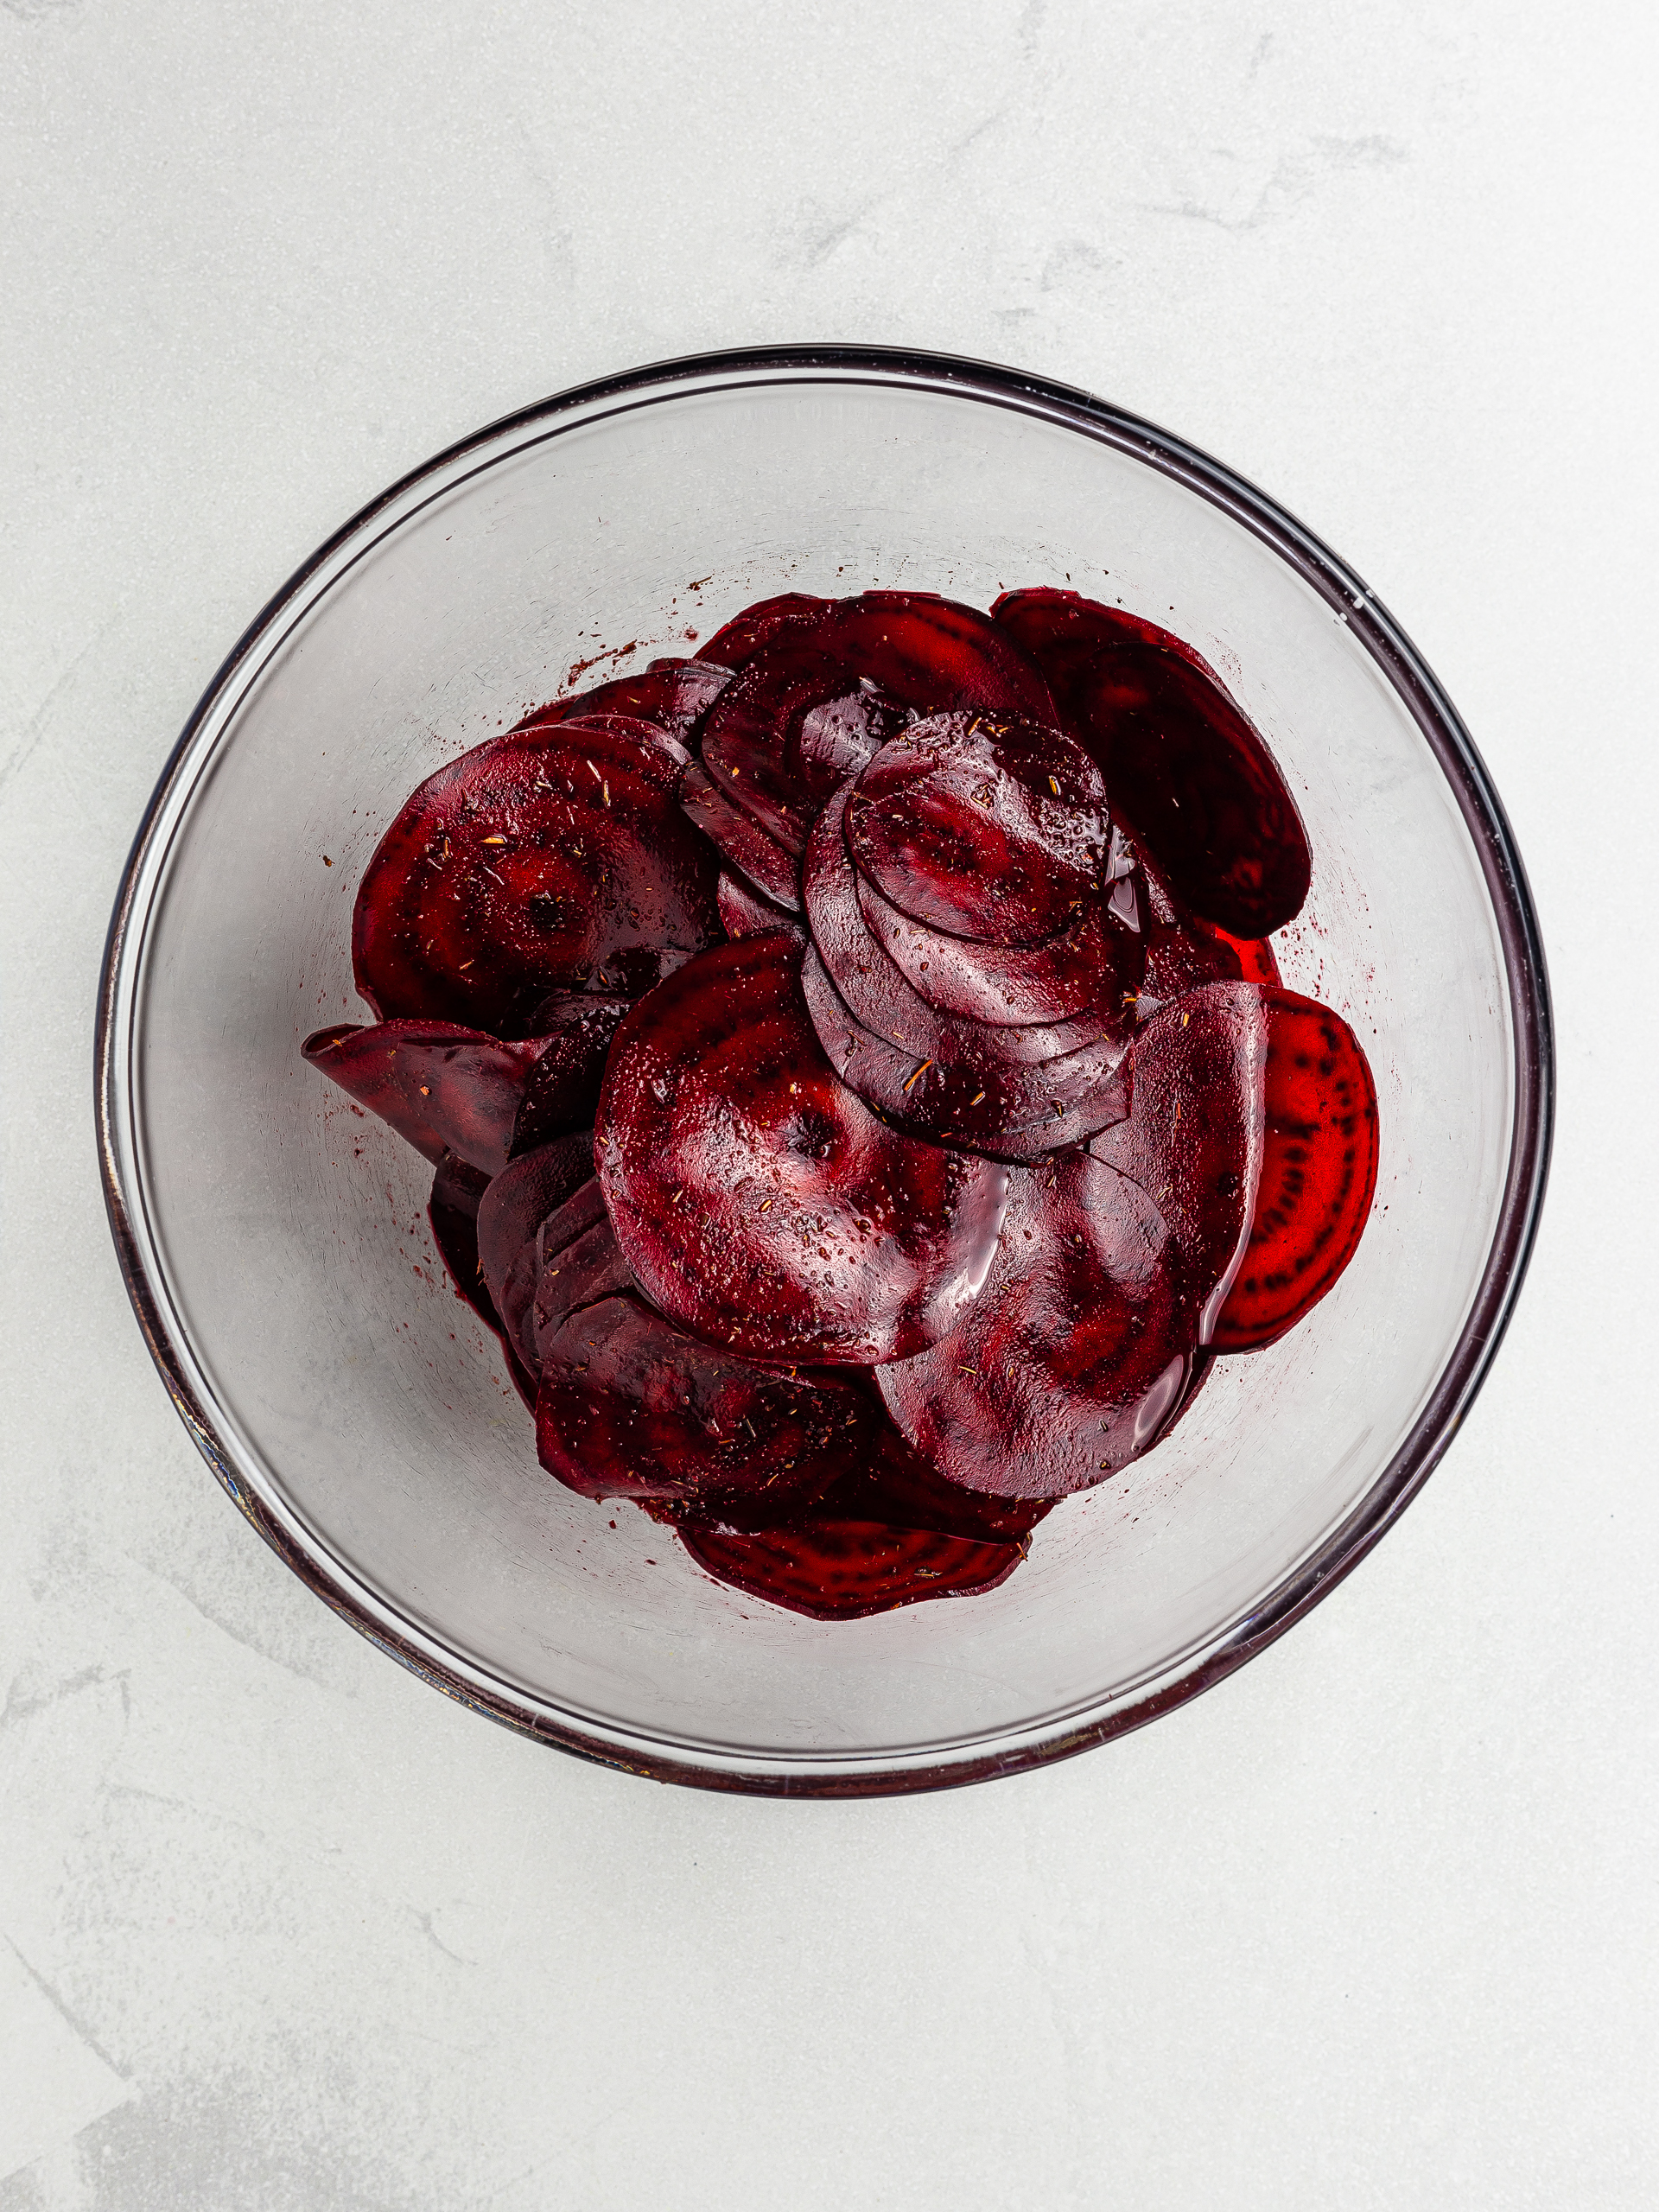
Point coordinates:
[[990, 830], [886, 1001], [441, 1087], [555, 860], [632, 1407], [562, 1089], [736, 644], [767, 865], [456, 1189], [902, 649], [1181, 759], [842, 1570], [970, 1098], [1094, 964], [577, 1273], [1319, 1172], [758, 1202], [744, 913], [1193, 1135], [673, 694], [897, 1485], [510, 1211], [1076, 1354]]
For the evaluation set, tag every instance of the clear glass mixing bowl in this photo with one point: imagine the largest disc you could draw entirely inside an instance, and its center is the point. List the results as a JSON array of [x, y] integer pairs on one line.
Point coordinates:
[[275, 1244]]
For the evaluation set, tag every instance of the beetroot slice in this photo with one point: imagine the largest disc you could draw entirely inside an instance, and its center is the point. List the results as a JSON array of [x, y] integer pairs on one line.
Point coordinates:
[[1319, 1172], [673, 694], [758, 1202], [884, 999], [1014, 1112], [1180, 758], [578, 1214], [789, 732], [736, 644], [555, 860], [744, 913], [509, 1215], [456, 1189], [1097, 963], [1194, 1136], [767, 865], [562, 1089], [988, 831], [590, 1267], [1077, 1353], [441, 1086], [897, 1485], [842, 1570], [631, 1407]]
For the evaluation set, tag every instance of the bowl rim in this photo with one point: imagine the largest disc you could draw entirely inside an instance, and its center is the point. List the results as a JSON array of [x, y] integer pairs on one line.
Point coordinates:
[[850, 1775]]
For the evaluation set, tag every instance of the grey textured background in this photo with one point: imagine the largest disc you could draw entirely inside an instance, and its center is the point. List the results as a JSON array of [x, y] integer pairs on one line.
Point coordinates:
[[1373, 1925]]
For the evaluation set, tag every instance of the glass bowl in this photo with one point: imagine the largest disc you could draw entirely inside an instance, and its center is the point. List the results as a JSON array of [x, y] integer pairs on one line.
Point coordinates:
[[275, 1244]]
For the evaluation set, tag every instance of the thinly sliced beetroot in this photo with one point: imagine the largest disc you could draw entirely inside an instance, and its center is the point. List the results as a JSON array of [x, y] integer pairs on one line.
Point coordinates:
[[562, 1090], [1097, 963], [673, 694], [759, 1201], [990, 830], [897, 1485], [842, 1570], [1006, 1110], [744, 913], [903, 650], [789, 732], [1194, 1136], [511, 1210], [632, 1407], [741, 842], [1257, 962], [834, 741], [1180, 758], [579, 1213], [555, 860], [441, 1086], [456, 1189], [746, 746], [1319, 1172], [1076, 1354], [736, 644], [579, 1273], [884, 999]]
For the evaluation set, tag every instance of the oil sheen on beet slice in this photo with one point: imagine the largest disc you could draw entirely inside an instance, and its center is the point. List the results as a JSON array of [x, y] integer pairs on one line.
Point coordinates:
[[834, 1569], [1319, 1172], [632, 1407], [967, 1098], [760, 1202], [1076, 1354], [1180, 761], [1192, 1139], [556, 860], [988, 831], [442, 1087], [756, 854]]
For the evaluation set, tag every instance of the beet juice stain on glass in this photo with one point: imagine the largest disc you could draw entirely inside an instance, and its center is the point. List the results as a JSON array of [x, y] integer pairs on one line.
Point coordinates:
[[861, 1090]]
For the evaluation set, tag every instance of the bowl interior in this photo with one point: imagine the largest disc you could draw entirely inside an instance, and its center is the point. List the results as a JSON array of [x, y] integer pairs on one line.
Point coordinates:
[[284, 1236]]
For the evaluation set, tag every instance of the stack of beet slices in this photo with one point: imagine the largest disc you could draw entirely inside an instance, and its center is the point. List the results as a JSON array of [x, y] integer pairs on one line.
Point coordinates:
[[860, 1086]]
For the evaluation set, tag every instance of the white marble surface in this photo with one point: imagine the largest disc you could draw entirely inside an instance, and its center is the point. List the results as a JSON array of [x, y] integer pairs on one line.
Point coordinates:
[[1371, 1925]]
